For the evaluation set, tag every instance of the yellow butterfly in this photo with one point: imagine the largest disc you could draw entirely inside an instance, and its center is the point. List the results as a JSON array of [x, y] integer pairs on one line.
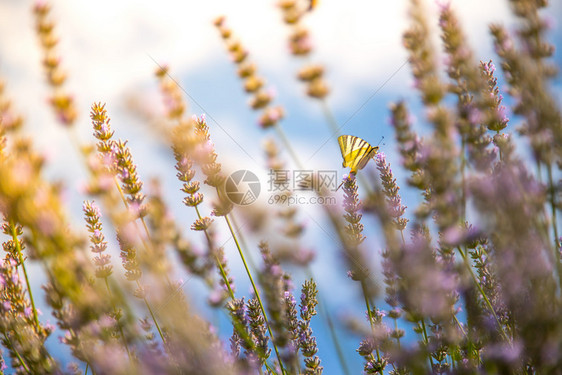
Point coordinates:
[[355, 152], [312, 4]]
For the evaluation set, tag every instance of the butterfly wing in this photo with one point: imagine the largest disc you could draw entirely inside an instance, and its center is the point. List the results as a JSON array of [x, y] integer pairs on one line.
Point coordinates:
[[312, 4], [356, 152], [346, 142], [366, 154]]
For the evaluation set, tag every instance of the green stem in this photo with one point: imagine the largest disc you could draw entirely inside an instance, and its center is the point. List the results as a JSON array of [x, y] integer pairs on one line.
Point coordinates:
[[251, 261], [255, 291], [335, 339], [117, 320], [463, 181], [556, 251], [370, 314], [21, 260], [138, 284], [146, 246], [459, 325], [426, 342], [227, 283], [15, 351], [396, 330], [470, 345], [330, 118], [219, 264], [146, 229], [331, 328], [553, 209], [501, 156], [153, 316], [230, 291], [288, 146], [86, 370], [82, 350], [484, 296], [225, 278]]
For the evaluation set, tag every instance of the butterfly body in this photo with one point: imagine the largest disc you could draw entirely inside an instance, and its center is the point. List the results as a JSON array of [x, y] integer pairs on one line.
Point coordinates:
[[312, 4], [356, 152]]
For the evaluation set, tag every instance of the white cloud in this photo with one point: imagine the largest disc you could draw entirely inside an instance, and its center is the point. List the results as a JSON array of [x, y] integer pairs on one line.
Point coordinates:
[[106, 44]]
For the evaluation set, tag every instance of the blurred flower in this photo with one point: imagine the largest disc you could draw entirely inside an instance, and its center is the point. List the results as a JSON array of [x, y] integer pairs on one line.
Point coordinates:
[[394, 202], [62, 102], [98, 245], [300, 45], [253, 84]]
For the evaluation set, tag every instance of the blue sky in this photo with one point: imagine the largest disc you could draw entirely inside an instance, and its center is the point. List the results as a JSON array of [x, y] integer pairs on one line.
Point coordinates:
[[108, 49]]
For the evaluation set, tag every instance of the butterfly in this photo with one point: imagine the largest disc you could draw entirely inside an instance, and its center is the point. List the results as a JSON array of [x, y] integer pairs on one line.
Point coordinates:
[[356, 152], [312, 4]]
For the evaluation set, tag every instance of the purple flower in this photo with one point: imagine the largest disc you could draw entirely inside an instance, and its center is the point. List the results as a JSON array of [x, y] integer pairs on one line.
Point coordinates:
[[505, 352], [275, 270], [474, 115], [393, 200]]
